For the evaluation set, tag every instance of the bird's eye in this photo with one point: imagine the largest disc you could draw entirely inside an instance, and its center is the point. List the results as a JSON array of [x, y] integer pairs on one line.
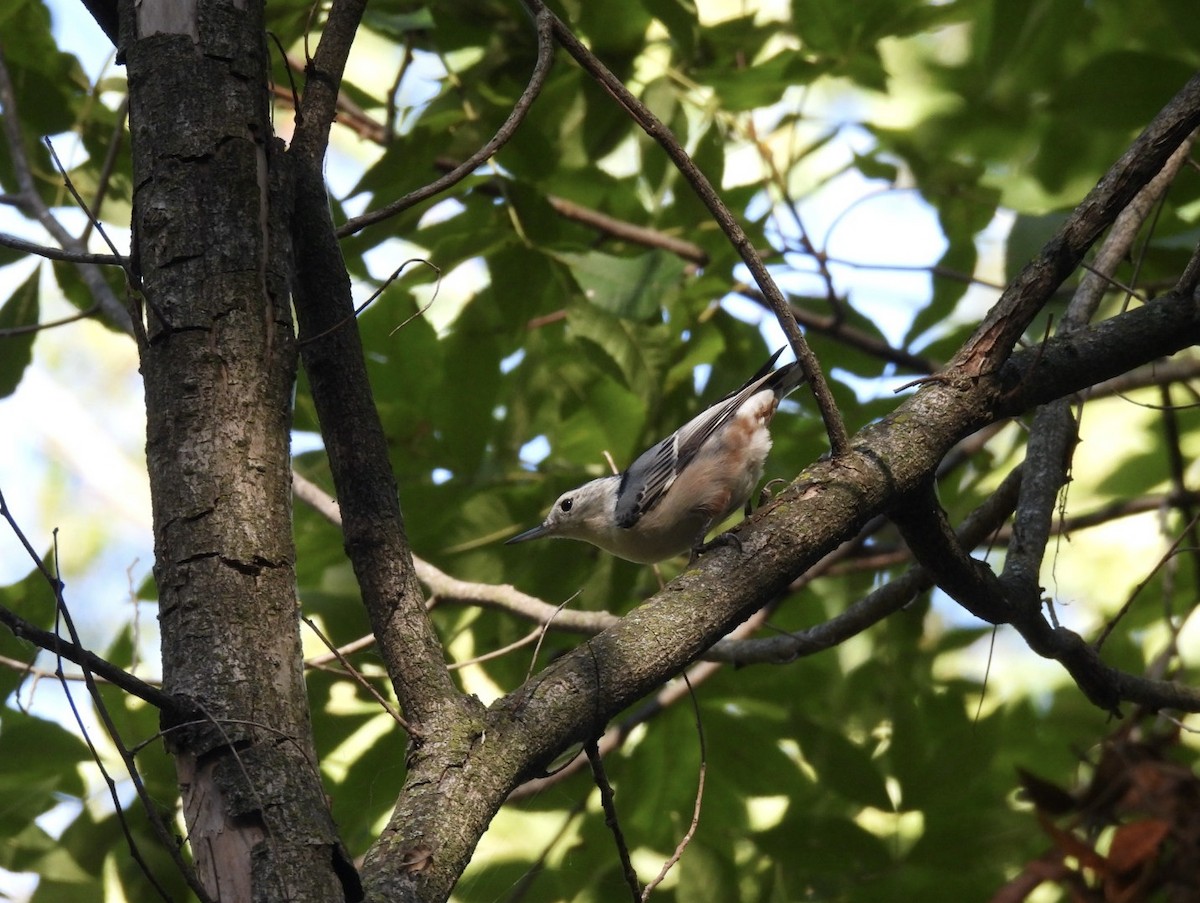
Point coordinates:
[[566, 504]]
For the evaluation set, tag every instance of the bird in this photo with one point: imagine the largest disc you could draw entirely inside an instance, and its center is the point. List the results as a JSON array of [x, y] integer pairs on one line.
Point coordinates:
[[677, 490]]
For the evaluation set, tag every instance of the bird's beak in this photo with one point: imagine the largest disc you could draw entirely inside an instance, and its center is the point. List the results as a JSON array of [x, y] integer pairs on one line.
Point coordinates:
[[539, 530]]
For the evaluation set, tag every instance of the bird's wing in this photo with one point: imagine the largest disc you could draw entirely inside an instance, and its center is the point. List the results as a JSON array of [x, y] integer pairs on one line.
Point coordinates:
[[647, 480], [649, 477]]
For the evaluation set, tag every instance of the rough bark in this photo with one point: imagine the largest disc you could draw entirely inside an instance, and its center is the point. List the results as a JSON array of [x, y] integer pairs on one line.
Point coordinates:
[[219, 360]]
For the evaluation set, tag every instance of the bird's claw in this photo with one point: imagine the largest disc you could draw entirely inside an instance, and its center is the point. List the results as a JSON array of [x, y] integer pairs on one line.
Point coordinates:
[[721, 539], [764, 495]]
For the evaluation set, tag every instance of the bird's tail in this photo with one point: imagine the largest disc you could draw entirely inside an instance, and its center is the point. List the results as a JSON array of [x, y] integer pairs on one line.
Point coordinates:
[[786, 378]]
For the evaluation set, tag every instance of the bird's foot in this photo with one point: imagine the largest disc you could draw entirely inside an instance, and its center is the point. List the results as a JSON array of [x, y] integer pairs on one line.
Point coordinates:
[[721, 539], [764, 495]]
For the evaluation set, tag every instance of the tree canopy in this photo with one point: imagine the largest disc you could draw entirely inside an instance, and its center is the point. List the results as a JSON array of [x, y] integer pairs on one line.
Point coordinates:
[[950, 657]]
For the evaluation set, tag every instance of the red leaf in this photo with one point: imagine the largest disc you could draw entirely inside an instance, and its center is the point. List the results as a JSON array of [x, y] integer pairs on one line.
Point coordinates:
[[1136, 843]]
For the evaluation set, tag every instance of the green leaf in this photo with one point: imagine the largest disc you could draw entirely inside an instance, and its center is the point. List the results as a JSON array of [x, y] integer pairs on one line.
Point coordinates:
[[679, 17], [33, 600], [1121, 90], [635, 288], [762, 84], [634, 355], [20, 311], [843, 766], [33, 786], [33, 850], [710, 875], [397, 25], [584, 435]]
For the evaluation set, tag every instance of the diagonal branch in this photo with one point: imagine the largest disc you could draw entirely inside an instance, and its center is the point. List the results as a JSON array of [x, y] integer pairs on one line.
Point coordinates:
[[833, 500], [887, 599], [993, 341], [848, 335], [167, 704], [358, 452], [318, 106], [52, 642], [579, 692], [656, 129], [31, 247]]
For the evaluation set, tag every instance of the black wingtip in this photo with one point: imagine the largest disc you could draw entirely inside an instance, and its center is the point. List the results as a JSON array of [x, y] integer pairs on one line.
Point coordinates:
[[764, 369]]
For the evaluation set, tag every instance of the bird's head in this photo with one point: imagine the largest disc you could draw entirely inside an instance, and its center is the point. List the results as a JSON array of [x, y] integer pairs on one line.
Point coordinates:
[[586, 513]]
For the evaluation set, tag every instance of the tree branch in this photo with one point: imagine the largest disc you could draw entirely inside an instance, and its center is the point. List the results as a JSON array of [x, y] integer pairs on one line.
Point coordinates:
[[973, 585], [574, 697], [889, 598], [829, 503], [118, 677], [105, 14], [515, 117], [704, 190], [1054, 431], [318, 106], [30, 247], [992, 342], [354, 439], [837, 328]]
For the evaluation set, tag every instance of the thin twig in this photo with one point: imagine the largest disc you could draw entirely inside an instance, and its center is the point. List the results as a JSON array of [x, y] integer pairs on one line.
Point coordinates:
[[847, 334], [1172, 550], [630, 232], [106, 168], [534, 636], [287, 68], [133, 282], [29, 201], [161, 833], [12, 331], [389, 125], [73, 651], [358, 678], [79, 198], [1111, 280], [610, 817], [1178, 464], [363, 642], [546, 627], [789, 204], [30, 247], [654, 127], [691, 831], [541, 70], [375, 294]]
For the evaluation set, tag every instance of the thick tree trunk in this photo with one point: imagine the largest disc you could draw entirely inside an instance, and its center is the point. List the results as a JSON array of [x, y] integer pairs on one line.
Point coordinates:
[[219, 360]]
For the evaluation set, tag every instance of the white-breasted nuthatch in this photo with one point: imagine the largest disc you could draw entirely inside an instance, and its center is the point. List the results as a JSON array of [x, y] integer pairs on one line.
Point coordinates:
[[680, 488]]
